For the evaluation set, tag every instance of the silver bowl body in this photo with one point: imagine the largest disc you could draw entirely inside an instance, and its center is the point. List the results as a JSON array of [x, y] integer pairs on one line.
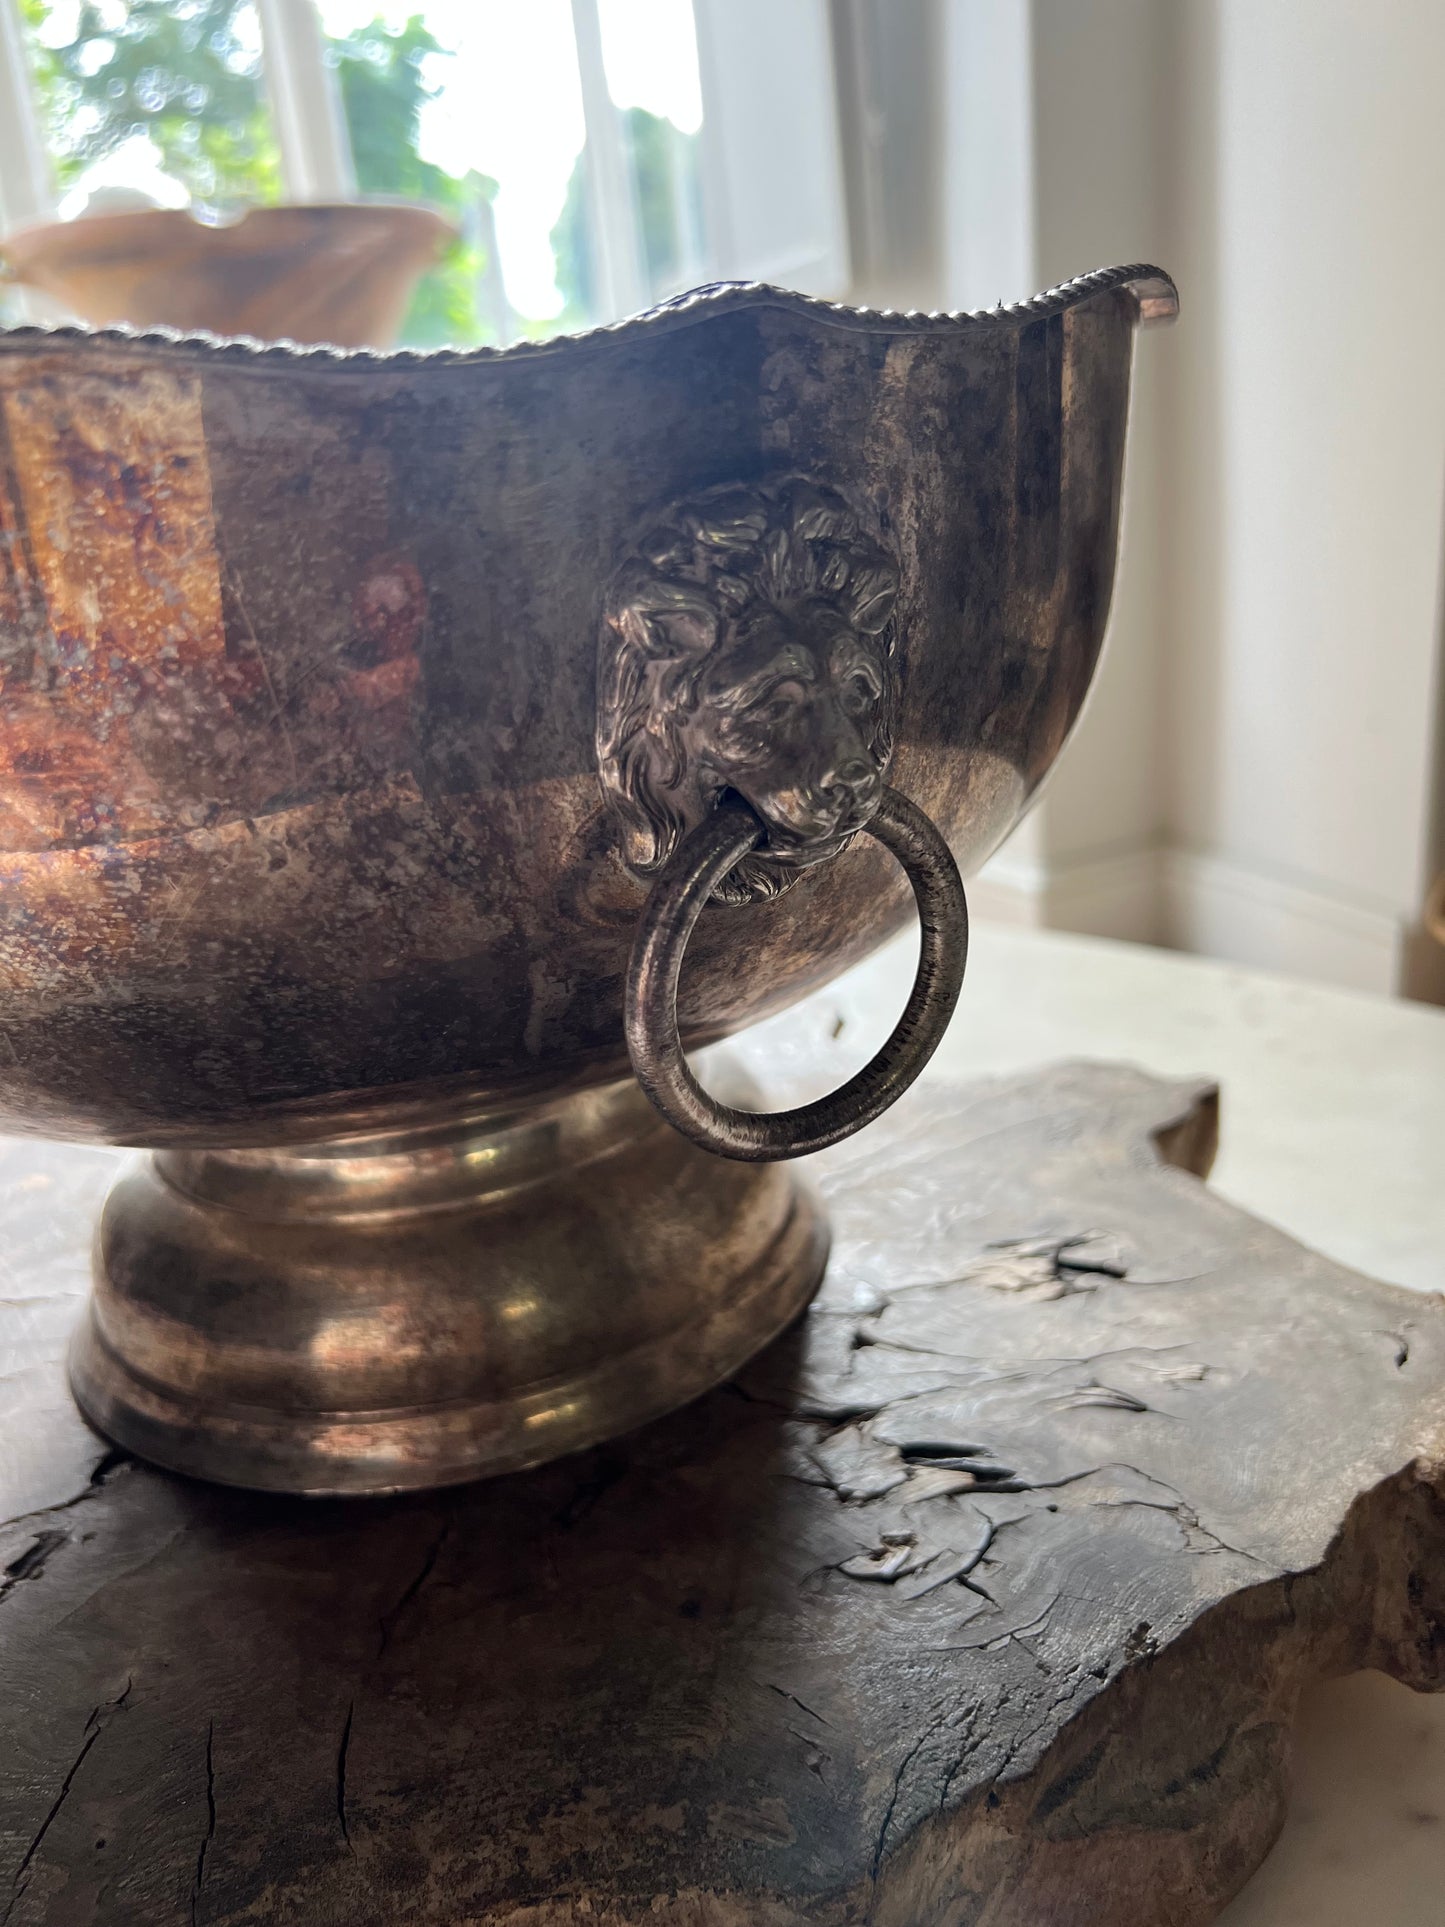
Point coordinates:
[[305, 846]]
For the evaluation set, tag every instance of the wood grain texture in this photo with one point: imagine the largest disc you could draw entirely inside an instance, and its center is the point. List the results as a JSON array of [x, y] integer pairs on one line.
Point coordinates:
[[984, 1597]]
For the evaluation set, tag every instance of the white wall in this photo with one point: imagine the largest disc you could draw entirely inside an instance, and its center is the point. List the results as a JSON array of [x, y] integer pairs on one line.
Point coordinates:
[[1054, 121], [1091, 849], [1306, 464], [1257, 775]]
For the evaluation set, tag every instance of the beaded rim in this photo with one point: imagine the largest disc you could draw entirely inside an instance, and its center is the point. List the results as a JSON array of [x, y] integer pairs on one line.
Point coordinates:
[[1152, 289]]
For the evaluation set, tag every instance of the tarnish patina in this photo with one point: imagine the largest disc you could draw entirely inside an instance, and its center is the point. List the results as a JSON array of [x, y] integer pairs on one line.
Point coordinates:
[[303, 840]]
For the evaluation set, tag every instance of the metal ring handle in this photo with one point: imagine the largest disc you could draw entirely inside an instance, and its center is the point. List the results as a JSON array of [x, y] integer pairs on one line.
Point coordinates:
[[688, 880]]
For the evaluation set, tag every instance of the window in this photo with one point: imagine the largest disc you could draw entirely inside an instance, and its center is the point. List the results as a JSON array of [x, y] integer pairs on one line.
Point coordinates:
[[153, 100], [595, 155], [560, 136]]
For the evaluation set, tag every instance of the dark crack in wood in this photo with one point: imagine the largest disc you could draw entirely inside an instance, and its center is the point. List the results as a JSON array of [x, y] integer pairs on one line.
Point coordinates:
[[31, 1562], [341, 1754], [209, 1835], [95, 1725], [388, 1620]]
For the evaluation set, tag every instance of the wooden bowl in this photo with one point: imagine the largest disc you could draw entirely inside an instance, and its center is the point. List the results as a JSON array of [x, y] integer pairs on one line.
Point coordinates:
[[341, 274]]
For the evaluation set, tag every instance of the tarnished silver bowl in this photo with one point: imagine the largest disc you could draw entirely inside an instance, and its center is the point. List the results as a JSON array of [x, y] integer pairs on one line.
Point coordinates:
[[378, 730]]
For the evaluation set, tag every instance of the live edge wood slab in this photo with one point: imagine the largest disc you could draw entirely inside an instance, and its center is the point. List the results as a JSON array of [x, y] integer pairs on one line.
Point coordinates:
[[985, 1597]]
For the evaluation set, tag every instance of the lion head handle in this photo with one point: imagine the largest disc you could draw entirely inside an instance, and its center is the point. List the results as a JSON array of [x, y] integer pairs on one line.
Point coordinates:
[[747, 646]]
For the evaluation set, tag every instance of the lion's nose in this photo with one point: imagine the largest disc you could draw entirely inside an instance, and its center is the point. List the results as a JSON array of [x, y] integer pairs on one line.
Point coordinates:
[[853, 787], [856, 777]]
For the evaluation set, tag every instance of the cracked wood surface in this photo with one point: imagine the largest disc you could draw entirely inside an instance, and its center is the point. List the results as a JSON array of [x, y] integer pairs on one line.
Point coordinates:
[[984, 1597]]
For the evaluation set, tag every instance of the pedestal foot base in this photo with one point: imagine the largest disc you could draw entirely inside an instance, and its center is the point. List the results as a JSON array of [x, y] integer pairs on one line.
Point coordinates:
[[434, 1306]]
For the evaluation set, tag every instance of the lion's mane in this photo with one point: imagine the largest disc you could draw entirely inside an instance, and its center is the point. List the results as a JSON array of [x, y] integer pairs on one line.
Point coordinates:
[[715, 558]]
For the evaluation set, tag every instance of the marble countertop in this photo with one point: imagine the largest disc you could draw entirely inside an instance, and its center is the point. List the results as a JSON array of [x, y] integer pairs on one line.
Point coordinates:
[[1333, 1126]]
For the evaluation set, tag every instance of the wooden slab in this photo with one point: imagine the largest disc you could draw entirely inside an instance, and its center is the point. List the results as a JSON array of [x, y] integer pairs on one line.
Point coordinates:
[[985, 1597]]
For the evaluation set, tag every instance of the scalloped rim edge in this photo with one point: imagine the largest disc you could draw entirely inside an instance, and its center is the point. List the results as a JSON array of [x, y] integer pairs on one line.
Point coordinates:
[[1155, 296]]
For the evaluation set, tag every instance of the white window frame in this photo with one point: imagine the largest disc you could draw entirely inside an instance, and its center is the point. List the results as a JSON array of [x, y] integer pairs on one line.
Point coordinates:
[[305, 103], [616, 229], [27, 187], [770, 113]]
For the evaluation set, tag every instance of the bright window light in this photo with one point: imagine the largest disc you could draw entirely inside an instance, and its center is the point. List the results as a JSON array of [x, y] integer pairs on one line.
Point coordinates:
[[649, 48], [509, 105]]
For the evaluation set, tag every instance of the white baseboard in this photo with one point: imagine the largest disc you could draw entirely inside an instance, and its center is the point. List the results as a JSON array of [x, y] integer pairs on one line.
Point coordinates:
[[1221, 908], [1114, 895], [1207, 904]]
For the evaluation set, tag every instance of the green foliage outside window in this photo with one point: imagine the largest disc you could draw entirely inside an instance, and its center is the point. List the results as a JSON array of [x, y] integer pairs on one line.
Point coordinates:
[[186, 74], [665, 178], [383, 90]]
